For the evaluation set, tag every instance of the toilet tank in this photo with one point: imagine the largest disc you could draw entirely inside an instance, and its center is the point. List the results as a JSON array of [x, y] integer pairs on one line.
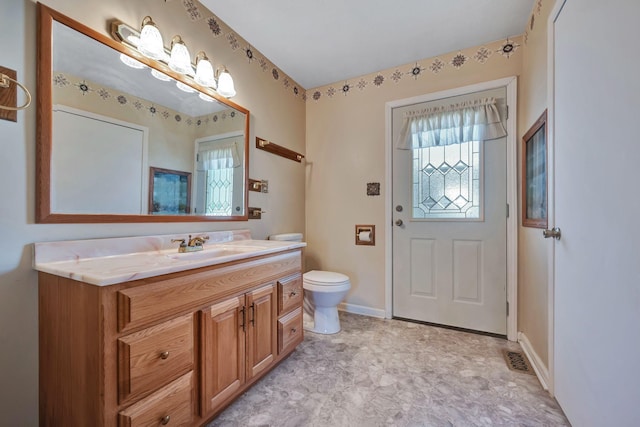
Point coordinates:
[[290, 237]]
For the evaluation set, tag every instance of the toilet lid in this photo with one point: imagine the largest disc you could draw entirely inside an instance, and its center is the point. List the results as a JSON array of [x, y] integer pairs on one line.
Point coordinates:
[[327, 278]]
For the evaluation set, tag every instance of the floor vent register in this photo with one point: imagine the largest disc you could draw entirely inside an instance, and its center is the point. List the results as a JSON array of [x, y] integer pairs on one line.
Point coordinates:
[[517, 361]]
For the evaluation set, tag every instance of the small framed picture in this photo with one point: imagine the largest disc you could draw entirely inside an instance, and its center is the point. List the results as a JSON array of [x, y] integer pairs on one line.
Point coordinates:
[[534, 174], [169, 192]]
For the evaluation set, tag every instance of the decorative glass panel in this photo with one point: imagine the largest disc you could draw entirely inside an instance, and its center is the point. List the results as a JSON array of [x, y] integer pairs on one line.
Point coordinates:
[[219, 185], [446, 181]]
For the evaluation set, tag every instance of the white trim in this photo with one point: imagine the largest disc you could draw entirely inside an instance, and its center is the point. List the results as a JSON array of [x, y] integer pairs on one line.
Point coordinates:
[[553, 16], [511, 84], [363, 310], [536, 363], [388, 216]]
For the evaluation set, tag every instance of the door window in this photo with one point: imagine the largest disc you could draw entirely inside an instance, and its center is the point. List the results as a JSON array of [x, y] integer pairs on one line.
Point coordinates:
[[447, 182]]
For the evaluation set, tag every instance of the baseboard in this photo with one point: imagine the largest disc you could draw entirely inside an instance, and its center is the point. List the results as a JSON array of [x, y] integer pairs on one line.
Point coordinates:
[[541, 370], [361, 309]]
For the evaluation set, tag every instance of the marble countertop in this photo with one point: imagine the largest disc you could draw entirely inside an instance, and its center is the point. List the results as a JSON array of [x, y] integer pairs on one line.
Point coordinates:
[[105, 262]]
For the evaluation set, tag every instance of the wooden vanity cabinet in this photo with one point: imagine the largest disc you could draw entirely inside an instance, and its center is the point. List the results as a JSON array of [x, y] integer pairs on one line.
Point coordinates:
[[239, 342], [167, 350]]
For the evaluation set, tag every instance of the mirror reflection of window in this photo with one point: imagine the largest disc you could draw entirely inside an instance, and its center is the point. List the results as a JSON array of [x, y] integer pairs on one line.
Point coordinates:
[[218, 175]]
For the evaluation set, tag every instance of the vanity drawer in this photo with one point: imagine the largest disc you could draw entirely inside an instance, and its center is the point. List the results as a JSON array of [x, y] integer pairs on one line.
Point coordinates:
[[172, 405], [289, 293], [154, 356], [290, 330], [141, 305]]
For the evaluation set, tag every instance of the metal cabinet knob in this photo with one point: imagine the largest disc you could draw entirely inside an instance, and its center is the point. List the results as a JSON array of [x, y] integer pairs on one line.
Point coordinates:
[[399, 222], [554, 232], [165, 420], [293, 294], [164, 355]]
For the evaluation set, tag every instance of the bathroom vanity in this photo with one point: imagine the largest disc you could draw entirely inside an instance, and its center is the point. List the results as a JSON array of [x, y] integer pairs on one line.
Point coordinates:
[[134, 333]]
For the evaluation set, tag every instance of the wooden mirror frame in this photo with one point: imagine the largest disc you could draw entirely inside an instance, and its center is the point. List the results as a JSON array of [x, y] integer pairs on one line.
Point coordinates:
[[44, 129]]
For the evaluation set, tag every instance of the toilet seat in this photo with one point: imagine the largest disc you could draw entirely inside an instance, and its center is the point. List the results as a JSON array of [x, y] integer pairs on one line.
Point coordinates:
[[324, 278]]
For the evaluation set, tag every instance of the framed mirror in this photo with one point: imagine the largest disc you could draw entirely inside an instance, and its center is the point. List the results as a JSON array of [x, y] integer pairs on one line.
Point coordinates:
[[108, 117]]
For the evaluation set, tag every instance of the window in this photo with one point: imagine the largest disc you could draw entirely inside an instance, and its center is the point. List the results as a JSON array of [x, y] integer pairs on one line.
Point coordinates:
[[447, 181]]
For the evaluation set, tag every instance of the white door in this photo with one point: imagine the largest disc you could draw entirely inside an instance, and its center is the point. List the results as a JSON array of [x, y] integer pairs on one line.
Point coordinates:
[[449, 253], [596, 152]]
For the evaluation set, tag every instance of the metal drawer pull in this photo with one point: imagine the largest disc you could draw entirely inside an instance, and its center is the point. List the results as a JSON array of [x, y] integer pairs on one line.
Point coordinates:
[[164, 355], [293, 294], [293, 330], [165, 420]]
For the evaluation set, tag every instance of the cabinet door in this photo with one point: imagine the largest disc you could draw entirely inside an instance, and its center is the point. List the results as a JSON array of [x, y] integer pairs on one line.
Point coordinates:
[[223, 359], [261, 331]]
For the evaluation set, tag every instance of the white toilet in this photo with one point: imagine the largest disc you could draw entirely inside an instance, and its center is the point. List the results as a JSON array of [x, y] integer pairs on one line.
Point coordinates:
[[323, 291]]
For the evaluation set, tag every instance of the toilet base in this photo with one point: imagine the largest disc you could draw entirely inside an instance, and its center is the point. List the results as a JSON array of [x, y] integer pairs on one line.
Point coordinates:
[[325, 320]]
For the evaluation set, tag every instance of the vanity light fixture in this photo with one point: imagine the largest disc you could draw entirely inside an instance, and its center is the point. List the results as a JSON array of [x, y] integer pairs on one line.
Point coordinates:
[[148, 41], [180, 61], [225, 83], [204, 71], [151, 44]]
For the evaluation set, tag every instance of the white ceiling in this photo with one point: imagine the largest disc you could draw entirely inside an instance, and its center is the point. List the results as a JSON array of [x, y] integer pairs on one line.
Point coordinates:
[[317, 42]]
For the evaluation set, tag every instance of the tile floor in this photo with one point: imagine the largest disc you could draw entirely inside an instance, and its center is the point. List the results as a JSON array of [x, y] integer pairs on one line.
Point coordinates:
[[394, 373]]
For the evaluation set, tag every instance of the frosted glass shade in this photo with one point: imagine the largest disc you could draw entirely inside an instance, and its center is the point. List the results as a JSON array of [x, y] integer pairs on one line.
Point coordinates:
[[151, 44], [185, 88], [225, 84], [131, 62], [205, 97], [160, 76], [180, 61], [204, 72]]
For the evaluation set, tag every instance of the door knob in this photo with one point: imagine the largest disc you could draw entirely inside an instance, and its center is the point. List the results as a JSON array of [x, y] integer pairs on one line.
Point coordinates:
[[554, 232], [399, 222]]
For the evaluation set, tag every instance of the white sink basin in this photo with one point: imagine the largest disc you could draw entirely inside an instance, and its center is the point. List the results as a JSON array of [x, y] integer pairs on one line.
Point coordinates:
[[213, 252]]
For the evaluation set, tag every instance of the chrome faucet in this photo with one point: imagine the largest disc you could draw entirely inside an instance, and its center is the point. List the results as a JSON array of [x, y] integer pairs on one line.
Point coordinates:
[[195, 243]]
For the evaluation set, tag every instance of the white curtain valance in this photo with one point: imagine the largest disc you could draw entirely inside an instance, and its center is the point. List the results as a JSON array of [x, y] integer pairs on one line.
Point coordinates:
[[221, 157], [477, 120]]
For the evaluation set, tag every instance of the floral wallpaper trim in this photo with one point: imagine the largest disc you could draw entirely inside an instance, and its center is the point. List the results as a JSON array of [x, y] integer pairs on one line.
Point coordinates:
[[537, 9], [63, 81], [426, 68], [217, 28]]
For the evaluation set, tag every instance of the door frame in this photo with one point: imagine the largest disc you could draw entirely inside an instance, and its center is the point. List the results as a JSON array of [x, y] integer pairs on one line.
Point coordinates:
[[551, 213], [511, 83]]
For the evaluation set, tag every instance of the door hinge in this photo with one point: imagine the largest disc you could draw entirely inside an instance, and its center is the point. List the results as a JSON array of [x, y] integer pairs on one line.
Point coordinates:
[[507, 210], [507, 308], [507, 113]]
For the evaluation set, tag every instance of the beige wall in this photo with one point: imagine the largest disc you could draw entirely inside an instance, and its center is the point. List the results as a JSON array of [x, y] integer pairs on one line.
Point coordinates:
[[277, 114], [346, 150], [532, 248]]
